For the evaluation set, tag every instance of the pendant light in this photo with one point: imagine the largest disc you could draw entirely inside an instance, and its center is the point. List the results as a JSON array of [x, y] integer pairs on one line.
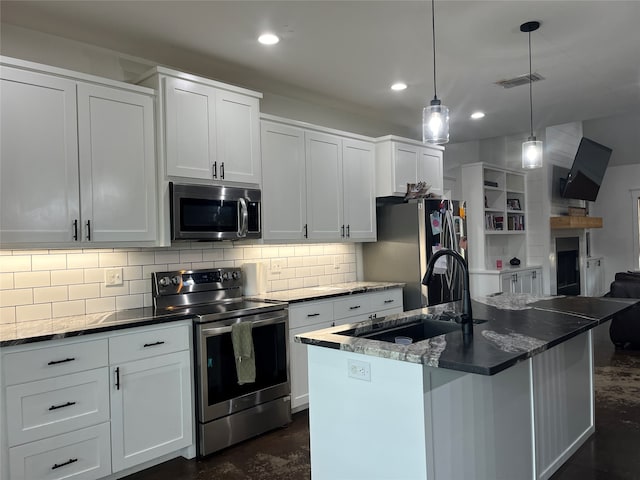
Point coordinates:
[[532, 148], [435, 117]]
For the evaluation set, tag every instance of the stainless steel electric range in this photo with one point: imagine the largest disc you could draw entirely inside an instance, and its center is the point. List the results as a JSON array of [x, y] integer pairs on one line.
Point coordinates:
[[227, 412]]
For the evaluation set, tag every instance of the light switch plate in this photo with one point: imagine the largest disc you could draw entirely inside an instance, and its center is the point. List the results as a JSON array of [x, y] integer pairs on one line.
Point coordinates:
[[359, 370], [113, 276]]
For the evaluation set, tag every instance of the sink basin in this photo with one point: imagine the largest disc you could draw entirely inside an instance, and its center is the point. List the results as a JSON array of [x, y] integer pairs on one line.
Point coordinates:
[[417, 331]]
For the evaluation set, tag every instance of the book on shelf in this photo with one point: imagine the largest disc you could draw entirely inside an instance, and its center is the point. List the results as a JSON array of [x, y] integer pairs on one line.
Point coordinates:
[[489, 183], [493, 222], [515, 222]]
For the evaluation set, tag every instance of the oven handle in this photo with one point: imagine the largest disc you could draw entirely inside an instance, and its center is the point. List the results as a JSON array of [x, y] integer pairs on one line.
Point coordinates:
[[280, 318], [243, 217]]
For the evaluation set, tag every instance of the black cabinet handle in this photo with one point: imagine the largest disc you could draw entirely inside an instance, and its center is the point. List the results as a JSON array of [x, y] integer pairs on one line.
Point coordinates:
[[222, 170], [313, 315], [55, 407], [69, 462], [389, 301], [152, 344], [306, 232], [342, 231], [56, 362], [354, 307], [214, 170], [75, 229], [117, 372], [348, 232], [89, 230]]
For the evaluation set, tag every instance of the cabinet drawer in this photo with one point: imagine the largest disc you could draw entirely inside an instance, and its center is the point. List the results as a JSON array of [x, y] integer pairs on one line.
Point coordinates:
[[40, 363], [81, 455], [57, 405], [386, 300], [310, 313], [358, 304], [148, 343]]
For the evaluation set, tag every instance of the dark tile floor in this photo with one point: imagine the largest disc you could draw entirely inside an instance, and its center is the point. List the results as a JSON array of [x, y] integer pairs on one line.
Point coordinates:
[[612, 453]]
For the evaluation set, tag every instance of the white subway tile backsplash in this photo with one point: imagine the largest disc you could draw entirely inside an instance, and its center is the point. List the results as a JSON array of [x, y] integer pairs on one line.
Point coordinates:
[[141, 258], [129, 301], [28, 313], [83, 260], [114, 259], [49, 262], [147, 270], [311, 282], [114, 290], [67, 277], [12, 298], [139, 286], [301, 251], [212, 255], [196, 265], [98, 305], [87, 290], [7, 315], [286, 251], [30, 329], [148, 299], [65, 309], [166, 256], [295, 283], [50, 294], [279, 285], [132, 273], [6, 281], [16, 263], [252, 253], [32, 279], [233, 254], [94, 275], [187, 256]]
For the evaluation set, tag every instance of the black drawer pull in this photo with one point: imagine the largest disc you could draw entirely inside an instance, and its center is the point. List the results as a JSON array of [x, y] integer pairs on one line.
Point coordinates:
[[389, 301], [58, 465], [313, 315], [56, 362], [55, 407], [117, 372], [354, 307], [152, 344]]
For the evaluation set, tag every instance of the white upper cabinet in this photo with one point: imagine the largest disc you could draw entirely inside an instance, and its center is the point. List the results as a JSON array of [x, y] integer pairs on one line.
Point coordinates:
[[400, 161], [324, 186], [284, 193], [358, 188], [117, 164], [316, 185], [211, 130], [69, 142], [39, 157]]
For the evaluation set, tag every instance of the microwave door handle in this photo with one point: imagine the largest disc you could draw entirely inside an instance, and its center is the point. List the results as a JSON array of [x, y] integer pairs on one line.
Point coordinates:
[[243, 217]]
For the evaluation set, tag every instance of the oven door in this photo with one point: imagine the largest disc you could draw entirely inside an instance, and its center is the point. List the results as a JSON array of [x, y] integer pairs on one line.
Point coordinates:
[[218, 391], [208, 212]]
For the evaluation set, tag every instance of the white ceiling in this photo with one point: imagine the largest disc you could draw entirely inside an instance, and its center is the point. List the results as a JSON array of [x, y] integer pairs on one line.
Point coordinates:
[[349, 52]]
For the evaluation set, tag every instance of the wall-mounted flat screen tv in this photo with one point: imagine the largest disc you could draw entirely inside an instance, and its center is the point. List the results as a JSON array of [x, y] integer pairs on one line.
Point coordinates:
[[587, 172]]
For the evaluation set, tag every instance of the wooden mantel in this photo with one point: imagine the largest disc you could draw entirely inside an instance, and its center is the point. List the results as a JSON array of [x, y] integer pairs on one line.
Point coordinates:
[[570, 221]]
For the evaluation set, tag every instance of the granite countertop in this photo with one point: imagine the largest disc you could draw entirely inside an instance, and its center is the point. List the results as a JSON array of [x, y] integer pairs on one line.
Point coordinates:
[[518, 326], [317, 293], [74, 326]]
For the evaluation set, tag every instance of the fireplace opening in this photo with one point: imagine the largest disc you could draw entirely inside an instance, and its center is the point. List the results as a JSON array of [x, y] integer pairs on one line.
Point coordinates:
[[568, 266]]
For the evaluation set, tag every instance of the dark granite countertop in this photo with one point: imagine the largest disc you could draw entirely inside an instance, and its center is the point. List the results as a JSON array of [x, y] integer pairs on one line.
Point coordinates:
[[319, 293], [84, 325], [517, 327]]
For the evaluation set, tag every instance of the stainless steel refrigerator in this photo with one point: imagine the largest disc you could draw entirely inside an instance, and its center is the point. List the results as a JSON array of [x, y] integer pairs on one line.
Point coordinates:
[[407, 235]]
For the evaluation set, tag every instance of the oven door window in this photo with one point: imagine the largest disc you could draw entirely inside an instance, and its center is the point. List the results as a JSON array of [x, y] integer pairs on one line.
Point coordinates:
[[269, 344], [200, 215]]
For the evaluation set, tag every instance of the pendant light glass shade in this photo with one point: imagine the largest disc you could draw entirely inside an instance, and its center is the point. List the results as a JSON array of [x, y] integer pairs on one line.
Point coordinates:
[[435, 117], [435, 123], [532, 149], [532, 153]]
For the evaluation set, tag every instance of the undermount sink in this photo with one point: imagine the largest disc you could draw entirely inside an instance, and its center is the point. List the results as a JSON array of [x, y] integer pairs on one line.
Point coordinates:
[[417, 331]]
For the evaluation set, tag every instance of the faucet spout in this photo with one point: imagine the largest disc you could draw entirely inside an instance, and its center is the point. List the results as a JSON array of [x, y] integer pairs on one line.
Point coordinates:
[[467, 316]]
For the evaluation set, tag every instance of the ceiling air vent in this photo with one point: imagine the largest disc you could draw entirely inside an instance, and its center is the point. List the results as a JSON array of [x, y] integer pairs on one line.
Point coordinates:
[[520, 80]]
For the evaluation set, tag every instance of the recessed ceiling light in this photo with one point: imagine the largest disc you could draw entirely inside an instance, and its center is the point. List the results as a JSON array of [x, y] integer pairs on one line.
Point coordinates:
[[268, 39], [399, 86], [477, 115]]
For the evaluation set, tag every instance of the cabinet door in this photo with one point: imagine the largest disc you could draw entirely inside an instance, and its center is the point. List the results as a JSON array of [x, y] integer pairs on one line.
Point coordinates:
[[324, 186], [190, 129], [284, 193], [508, 282], [38, 158], [405, 166], [358, 185], [117, 164], [298, 366], [430, 170], [536, 282], [525, 282], [594, 278], [238, 129], [151, 412]]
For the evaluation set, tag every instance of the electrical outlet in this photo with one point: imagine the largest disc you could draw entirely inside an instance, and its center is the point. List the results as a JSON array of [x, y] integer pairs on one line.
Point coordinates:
[[113, 276], [359, 370], [276, 267]]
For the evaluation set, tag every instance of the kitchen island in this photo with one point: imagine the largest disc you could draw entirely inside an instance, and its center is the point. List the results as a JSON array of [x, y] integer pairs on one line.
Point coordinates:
[[513, 402]]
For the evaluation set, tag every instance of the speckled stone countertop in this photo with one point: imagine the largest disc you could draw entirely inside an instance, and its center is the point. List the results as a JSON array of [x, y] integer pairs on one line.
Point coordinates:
[[517, 327], [43, 330], [318, 293]]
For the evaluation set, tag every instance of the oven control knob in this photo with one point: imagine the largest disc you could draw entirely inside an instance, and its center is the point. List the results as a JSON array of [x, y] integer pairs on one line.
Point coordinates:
[[235, 275], [176, 280], [225, 276], [164, 281]]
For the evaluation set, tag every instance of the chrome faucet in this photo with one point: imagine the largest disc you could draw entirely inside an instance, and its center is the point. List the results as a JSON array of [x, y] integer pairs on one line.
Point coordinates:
[[466, 319]]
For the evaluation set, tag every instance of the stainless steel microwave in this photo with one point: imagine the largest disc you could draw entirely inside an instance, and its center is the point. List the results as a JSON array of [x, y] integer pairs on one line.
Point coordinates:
[[211, 212]]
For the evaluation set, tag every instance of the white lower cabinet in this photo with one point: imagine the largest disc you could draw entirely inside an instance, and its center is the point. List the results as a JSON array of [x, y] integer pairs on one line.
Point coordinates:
[[521, 280], [594, 278], [319, 314], [84, 409]]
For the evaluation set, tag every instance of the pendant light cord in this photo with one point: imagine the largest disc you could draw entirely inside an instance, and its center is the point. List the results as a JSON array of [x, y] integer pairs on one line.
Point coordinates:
[[530, 88], [433, 30]]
